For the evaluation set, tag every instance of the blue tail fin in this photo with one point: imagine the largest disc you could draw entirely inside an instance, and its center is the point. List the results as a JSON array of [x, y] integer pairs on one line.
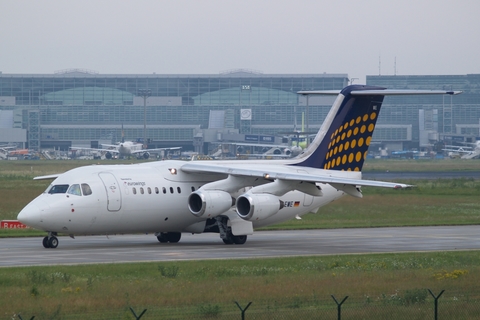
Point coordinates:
[[343, 140]]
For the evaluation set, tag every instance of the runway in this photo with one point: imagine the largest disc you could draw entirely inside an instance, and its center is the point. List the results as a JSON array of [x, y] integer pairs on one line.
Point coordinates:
[[136, 248]]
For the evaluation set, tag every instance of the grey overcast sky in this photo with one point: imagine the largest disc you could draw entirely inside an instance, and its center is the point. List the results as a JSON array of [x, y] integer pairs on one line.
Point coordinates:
[[210, 36]]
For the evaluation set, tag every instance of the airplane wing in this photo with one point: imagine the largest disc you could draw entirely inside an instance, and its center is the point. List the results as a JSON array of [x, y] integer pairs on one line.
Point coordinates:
[[110, 145], [276, 172], [458, 149], [95, 149], [154, 150], [256, 145]]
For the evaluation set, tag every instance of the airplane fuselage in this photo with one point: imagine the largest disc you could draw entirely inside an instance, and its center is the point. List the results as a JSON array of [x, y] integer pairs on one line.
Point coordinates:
[[141, 198]]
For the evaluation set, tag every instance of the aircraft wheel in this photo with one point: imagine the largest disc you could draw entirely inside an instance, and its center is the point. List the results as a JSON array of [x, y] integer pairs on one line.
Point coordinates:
[[239, 239], [162, 238], [228, 240], [174, 237], [53, 242], [45, 242]]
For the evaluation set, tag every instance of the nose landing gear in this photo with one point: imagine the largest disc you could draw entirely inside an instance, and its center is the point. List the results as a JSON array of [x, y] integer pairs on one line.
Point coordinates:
[[50, 241]]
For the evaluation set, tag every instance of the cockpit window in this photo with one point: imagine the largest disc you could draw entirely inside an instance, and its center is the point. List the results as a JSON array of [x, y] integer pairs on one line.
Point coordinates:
[[86, 189], [59, 188], [75, 190]]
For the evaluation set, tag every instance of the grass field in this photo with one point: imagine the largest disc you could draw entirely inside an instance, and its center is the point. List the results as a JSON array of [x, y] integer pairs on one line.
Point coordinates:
[[379, 286]]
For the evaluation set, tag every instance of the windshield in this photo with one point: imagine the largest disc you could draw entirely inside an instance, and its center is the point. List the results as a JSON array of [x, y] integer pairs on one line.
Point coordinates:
[[75, 190], [86, 189], [59, 188]]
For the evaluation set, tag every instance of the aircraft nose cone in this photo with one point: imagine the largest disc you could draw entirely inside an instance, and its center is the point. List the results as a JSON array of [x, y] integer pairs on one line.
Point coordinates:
[[31, 215]]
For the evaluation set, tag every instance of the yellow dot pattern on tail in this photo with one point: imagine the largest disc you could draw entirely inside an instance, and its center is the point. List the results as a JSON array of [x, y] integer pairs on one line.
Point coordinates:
[[348, 145]]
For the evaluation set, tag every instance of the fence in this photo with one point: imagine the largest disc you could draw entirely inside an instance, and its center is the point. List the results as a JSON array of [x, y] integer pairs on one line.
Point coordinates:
[[416, 304]]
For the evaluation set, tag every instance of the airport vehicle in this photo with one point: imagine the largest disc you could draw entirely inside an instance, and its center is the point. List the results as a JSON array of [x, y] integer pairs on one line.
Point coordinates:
[[230, 197]]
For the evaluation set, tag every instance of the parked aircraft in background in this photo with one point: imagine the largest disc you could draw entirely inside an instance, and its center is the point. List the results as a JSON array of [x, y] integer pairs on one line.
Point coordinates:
[[125, 149], [463, 152], [230, 197], [266, 150]]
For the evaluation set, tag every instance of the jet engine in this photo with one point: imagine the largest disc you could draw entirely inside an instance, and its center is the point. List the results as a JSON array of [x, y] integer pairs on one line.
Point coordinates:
[[146, 155], [209, 203], [253, 207], [277, 151], [108, 155]]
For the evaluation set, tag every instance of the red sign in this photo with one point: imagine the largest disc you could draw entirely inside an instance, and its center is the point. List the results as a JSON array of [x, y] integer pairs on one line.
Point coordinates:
[[12, 224]]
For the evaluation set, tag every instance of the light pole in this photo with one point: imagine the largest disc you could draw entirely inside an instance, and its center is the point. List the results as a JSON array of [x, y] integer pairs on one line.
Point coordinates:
[[145, 93], [306, 121]]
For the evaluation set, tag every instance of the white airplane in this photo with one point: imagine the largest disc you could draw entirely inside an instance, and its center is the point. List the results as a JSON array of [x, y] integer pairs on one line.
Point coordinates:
[[280, 151], [125, 149], [464, 152], [230, 197]]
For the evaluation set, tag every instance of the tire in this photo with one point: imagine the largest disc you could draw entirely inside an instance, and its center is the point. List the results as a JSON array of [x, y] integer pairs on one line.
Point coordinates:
[[162, 238], [53, 242], [174, 237], [228, 240], [45, 243], [239, 239]]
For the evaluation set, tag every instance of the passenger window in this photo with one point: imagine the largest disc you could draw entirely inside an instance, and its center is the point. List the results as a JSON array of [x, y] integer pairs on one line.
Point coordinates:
[[164, 190], [149, 190], [179, 190], [75, 190], [141, 190], [134, 190], [171, 190], [86, 189], [59, 188], [156, 190]]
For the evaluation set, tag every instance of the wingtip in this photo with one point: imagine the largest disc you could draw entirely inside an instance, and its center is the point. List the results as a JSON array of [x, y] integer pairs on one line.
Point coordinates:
[[403, 186], [454, 92]]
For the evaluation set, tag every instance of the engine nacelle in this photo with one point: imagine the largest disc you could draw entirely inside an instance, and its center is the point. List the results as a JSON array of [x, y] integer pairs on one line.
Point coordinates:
[[146, 155], [108, 155], [209, 203], [254, 207]]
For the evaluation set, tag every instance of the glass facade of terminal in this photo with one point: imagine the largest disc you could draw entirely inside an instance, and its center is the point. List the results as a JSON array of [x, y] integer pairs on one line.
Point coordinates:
[[448, 116], [77, 107]]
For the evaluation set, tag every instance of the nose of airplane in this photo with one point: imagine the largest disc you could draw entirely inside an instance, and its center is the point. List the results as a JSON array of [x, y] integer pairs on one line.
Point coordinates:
[[31, 215]]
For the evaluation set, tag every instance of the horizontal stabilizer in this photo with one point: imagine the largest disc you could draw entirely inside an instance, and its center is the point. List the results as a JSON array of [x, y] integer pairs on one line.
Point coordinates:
[[386, 92]]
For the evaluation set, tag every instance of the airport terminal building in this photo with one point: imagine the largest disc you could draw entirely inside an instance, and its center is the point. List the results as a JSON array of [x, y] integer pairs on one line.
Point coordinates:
[[84, 108]]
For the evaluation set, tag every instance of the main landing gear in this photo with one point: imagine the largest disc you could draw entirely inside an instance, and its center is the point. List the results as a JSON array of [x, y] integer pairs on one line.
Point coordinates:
[[231, 239], [50, 241], [226, 232], [172, 237]]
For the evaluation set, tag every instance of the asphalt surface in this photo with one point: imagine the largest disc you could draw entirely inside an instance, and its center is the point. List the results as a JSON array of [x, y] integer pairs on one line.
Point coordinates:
[[136, 248]]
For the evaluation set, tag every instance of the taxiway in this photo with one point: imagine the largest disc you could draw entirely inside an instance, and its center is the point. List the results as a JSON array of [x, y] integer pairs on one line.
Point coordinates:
[[136, 248]]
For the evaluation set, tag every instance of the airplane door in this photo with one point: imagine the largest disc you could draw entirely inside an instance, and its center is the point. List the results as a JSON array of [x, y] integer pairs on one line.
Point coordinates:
[[114, 196]]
